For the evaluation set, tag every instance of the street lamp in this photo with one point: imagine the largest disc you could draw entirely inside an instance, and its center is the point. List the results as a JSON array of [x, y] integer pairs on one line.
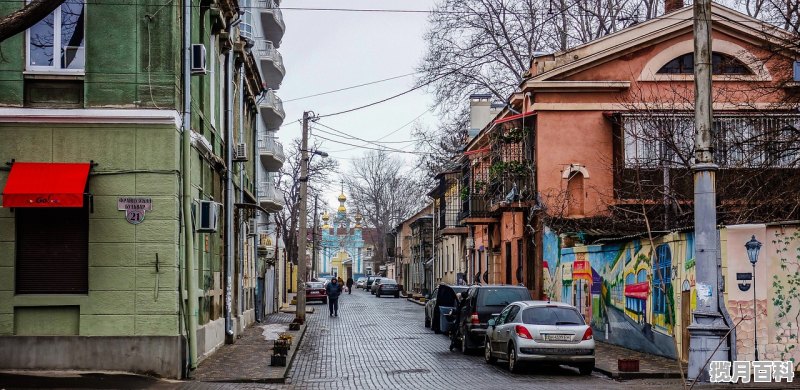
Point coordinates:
[[753, 247]]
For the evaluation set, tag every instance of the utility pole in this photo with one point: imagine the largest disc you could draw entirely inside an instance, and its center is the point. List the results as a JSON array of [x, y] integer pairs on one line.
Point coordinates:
[[708, 331], [302, 237], [314, 240]]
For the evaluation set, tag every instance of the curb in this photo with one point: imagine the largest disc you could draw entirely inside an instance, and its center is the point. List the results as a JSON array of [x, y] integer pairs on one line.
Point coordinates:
[[294, 353], [413, 301]]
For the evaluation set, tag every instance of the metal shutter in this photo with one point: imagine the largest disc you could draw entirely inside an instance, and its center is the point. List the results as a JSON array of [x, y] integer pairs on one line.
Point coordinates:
[[52, 251]]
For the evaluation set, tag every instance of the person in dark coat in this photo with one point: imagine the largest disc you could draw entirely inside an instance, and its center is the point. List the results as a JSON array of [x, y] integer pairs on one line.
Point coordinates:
[[333, 290], [349, 284]]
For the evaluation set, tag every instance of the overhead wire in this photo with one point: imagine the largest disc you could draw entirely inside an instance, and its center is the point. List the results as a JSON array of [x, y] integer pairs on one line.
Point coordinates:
[[351, 87]]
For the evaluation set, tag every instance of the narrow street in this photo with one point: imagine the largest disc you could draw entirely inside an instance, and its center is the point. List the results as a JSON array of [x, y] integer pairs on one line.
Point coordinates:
[[381, 343]]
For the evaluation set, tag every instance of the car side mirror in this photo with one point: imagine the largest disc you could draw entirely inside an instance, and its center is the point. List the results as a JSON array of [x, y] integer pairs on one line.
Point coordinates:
[[491, 323]]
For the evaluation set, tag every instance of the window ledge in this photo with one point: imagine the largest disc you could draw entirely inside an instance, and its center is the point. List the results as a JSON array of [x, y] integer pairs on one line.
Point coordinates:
[[48, 75]]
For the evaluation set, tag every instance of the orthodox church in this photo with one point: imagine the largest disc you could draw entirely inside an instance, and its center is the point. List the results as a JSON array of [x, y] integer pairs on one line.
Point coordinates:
[[342, 250]]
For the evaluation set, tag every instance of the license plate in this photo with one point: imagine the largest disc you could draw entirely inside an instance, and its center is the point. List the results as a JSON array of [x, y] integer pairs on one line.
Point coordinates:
[[558, 337]]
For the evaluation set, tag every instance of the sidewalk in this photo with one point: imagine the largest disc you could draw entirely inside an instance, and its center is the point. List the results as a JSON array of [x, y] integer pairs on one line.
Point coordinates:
[[248, 359], [650, 366]]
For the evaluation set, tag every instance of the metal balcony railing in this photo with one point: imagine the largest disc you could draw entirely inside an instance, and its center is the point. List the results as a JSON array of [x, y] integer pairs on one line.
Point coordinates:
[[271, 152], [271, 108], [474, 206], [271, 63], [272, 20], [269, 197]]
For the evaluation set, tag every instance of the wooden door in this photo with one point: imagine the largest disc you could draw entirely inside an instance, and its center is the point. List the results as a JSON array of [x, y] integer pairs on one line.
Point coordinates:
[[686, 320]]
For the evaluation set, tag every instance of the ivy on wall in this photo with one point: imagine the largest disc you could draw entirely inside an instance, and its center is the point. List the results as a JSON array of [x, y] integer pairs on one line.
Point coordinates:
[[786, 293]]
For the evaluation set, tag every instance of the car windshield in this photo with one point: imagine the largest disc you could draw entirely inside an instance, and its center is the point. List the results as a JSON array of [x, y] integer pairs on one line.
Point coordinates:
[[315, 285], [552, 315], [502, 296]]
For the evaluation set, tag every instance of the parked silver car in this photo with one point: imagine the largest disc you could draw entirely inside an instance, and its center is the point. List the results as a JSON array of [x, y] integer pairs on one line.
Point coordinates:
[[540, 331], [361, 282]]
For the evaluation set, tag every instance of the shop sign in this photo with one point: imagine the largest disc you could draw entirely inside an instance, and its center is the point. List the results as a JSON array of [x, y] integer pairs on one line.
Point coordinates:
[[134, 208]]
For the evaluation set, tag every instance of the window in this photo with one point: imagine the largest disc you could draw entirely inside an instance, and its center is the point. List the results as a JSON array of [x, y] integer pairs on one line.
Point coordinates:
[[57, 41], [552, 316], [662, 275], [720, 64], [740, 141], [52, 251]]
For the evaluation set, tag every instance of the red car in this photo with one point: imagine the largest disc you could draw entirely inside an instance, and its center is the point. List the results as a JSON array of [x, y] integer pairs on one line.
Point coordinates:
[[315, 291]]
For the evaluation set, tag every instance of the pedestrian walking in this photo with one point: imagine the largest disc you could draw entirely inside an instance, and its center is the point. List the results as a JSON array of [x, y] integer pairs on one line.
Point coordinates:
[[349, 284], [333, 290]]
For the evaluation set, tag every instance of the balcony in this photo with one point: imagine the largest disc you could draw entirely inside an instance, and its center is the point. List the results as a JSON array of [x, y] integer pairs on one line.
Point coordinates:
[[269, 198], [271, 109], [475, 210], [271, 64], [271, 153], [272, 20]]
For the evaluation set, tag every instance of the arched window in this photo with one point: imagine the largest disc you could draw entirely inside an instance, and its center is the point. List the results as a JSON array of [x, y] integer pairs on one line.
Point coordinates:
[[576, 194], [720, 64]]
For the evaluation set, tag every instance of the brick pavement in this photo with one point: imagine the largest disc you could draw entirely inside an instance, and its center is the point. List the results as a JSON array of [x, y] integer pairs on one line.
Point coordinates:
[[248, 359]]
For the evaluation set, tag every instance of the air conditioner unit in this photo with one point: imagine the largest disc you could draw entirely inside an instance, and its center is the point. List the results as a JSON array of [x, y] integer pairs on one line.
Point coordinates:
[[208, 217], [252, 227], [201, 144], [199, 59], [240, 152]]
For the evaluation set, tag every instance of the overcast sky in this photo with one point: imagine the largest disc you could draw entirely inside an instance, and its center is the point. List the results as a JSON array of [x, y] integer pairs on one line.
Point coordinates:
[[327, 50]]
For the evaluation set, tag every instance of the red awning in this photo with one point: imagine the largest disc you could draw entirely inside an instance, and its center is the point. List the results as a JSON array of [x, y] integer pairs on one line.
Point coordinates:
[[637, 290], [46, 185], [513, 117]]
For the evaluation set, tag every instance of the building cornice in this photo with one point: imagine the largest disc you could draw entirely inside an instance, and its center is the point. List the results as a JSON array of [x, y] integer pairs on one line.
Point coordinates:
[[89, 115]]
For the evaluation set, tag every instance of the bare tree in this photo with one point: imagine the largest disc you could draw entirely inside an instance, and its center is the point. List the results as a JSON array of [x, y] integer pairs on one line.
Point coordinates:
[[384, 193], [27, 16], [289, 186], [441, 145]]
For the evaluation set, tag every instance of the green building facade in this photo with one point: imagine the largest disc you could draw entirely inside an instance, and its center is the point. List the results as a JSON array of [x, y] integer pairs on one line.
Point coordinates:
[[96, 279]]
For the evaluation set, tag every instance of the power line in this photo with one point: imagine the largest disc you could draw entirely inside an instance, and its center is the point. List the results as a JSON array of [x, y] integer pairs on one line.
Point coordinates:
[[351, 87], [366, 147], [349, 136], [393, 131]]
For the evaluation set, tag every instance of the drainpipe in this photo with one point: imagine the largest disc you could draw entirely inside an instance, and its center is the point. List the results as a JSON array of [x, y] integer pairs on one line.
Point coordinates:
[[240, 109], [188, 231], [229, 189]]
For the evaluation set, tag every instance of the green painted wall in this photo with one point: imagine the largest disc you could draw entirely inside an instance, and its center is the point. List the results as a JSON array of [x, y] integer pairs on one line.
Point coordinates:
[[11, 62], [126, 294]]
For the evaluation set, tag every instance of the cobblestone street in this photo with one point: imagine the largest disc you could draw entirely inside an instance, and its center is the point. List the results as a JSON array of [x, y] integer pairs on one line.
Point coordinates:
[[381, 343]]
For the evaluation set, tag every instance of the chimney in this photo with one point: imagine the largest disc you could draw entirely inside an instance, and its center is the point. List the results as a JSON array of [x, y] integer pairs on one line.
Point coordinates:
[[672, 5], [480, 112]]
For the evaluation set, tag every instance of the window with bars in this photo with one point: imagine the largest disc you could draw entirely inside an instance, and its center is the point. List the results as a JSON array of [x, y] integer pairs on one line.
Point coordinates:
[[740, 141]]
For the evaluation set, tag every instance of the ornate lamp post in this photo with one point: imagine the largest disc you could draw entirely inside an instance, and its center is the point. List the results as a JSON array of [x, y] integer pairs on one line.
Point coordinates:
[[753, 247]]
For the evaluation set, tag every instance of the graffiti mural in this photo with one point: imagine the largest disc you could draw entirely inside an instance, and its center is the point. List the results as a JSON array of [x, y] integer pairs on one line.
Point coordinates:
[[629, 292]]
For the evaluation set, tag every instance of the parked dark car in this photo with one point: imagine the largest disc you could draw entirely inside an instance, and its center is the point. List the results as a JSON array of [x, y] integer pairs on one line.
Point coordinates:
[[441, 300], [374, 286], [477, 309], [315, 291], [387, 287], [370, 280]]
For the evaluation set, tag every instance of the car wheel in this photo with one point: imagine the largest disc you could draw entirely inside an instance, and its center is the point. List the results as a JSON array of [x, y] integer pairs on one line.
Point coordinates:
[[487, 353], [513, 365], [586, 369]]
